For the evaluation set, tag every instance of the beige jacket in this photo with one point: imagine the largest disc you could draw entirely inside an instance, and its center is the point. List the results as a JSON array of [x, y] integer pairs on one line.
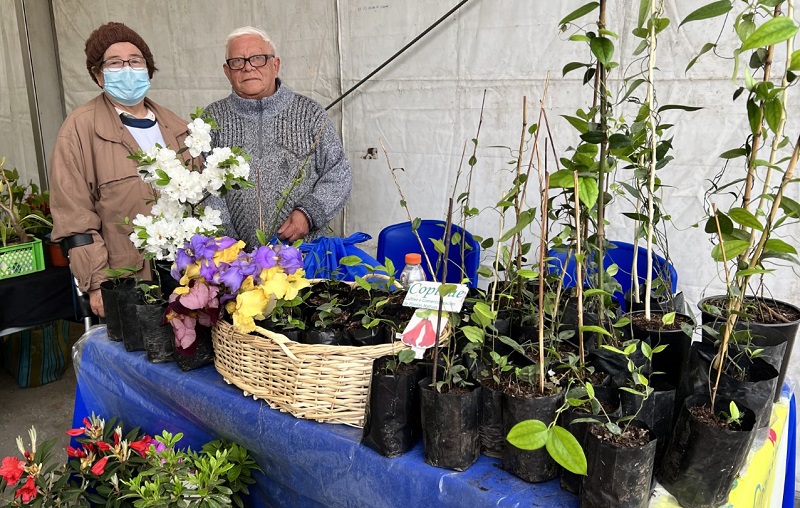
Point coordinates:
[[94, 186]]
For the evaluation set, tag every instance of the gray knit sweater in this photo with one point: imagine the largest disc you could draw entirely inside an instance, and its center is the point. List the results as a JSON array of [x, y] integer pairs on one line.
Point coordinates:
[[279, 132]]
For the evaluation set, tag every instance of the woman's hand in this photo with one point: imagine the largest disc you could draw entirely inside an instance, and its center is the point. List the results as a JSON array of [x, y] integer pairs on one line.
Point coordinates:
[[96, 301]]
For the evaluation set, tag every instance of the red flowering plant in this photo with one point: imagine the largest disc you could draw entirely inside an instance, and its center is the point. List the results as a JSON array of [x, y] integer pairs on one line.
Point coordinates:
[[107, 469]]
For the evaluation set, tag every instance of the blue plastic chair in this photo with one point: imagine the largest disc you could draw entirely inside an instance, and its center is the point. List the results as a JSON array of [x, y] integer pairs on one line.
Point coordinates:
[[397, 240], [622, 256]]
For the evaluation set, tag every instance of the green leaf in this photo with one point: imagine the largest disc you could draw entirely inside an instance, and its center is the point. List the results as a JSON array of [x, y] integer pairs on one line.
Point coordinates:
[[711, 10], [571, 67], [778, 245], [773, 112], [678, 106], [772, 32], [595, 291], [705, 49], [590, 390], [562, 179], [745, 218], [593, 137], [595, 329], [734, 153], [732, 249], [438, 245], [619, 141], [644, 12], [579, 12], [580, 125], [668, 318], [528, 274], [525, 218], [350, 261], [603, 49], [753, 115], [566, 450], [725, 225], [795, 62], [415, 223], [613, 428], [588, 191], [748, 272], [528, 435], [446, 289], [612, 349], [473, 334]]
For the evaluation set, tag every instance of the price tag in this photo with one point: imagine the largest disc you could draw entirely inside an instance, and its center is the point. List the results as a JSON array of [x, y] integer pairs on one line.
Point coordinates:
[[425, 295], [420, 333]]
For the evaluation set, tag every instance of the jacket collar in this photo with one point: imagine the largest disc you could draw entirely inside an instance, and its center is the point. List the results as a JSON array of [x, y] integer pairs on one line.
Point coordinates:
[[269, 106], [108, 125]]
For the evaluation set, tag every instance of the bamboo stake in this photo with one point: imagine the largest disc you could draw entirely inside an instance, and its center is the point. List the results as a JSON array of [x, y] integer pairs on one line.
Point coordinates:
[[578, 267], [542, 254], [652, 173], [731, 318], [441, 298]]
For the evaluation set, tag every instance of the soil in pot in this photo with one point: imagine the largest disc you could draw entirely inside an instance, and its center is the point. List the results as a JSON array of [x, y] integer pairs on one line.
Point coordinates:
[[199, 354], [450, 426], [669, 363], [749, 380], [158, 339], [705, 453], [608, 398], [619, 467], [531, 465], [773, 328], [392, 422], [662, 303], [360, 336]]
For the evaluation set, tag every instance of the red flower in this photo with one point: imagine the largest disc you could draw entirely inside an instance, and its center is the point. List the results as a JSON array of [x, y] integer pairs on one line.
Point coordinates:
[[89, 446], [12, 469], [76, 432], [102, 445], [73, 452], [142, 445], [100, 466], [27, 491]]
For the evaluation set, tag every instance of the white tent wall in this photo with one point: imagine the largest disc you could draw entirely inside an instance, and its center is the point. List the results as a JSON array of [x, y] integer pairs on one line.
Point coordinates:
[[425, 105], [16, 131]]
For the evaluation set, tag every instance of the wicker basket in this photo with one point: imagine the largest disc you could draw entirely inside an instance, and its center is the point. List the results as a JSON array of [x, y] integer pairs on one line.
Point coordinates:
[[316, 382]]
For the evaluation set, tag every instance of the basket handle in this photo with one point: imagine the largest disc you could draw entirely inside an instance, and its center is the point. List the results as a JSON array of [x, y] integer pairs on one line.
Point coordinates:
[[278, 339]]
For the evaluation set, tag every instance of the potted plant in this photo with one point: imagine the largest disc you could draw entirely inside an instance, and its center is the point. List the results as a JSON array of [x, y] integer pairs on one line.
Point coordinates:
[[749, 230], [119, 297], [158, 339]]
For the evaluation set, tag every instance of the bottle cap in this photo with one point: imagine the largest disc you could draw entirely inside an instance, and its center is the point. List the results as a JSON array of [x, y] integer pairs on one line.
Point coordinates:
[[412, 258]]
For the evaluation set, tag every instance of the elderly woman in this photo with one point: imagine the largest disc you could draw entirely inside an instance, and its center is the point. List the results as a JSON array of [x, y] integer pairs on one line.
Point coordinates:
[[94, 186]]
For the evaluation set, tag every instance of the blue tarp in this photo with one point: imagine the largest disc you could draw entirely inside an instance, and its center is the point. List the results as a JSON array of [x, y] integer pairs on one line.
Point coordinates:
[[305, 463]]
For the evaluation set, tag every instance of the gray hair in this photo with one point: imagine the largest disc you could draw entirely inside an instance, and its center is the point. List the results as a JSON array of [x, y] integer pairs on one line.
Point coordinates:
[[249, 30]]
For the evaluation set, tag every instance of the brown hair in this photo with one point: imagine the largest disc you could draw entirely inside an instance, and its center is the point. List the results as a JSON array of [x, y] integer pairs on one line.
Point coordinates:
[[112, 33]]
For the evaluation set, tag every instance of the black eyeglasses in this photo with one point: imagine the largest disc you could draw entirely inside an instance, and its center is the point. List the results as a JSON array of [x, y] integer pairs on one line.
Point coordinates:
[[116, 64], [237, 64]]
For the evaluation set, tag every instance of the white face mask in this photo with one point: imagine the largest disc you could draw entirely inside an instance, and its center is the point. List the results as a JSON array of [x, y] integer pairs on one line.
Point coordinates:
[[126, 86]]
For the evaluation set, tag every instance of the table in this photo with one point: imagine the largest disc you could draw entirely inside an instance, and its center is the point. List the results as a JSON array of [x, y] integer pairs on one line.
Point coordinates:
[[305, 463], [36, 298], [313, 464]]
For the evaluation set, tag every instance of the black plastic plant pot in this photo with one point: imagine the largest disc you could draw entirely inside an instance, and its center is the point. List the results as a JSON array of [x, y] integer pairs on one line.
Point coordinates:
[[158, 339], [776, 340], [368, 336], [392, 423], [327, 337], [166, 282], [491, 420], [199, 354], [533, 466], [609, 398], [129, 321], [656, 412], [450, 427], [671, 361], [111, 292], [753, 384], [703, 460], [617, 475]]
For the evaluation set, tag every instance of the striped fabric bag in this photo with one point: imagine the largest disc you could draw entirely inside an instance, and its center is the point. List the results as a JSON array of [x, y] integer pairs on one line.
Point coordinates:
[[41, 354]]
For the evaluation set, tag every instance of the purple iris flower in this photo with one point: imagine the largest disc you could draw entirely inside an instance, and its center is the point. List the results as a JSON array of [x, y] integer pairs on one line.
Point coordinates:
[[223, 243], [182, 260], [231, 277], [202, 246], [208, 270], [289, 258], [265, 257]]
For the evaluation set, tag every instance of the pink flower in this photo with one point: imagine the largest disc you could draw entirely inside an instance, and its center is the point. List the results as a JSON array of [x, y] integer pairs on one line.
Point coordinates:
[[141, 446], [28, 491], [183, 326], [12, 470]]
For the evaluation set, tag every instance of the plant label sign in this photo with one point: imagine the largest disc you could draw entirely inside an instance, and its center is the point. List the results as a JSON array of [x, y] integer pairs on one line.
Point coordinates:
[[425, 295], [420, 333]]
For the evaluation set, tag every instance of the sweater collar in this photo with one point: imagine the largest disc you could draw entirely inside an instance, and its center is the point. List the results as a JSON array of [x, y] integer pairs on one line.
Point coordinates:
[[269, 106]]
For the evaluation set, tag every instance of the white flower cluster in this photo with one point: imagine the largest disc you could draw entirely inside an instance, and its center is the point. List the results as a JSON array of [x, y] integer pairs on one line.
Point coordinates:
[[176, 214]]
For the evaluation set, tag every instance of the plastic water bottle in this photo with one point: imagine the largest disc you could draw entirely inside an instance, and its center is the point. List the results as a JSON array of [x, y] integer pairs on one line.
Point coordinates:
[[413, 271]]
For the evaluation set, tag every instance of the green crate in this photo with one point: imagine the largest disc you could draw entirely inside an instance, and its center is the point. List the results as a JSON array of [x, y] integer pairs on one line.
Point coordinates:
[[21, 259]]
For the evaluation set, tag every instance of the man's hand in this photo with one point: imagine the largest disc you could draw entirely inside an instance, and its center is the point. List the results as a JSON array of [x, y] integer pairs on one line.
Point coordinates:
[[96, 301], [295, 227]]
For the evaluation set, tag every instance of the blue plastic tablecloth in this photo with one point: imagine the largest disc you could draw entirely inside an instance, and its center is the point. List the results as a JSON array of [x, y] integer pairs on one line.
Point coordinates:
[[305, 463]]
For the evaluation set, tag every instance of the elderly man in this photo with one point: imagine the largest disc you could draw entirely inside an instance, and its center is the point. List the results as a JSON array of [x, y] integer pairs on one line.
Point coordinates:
[[301, 175]]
